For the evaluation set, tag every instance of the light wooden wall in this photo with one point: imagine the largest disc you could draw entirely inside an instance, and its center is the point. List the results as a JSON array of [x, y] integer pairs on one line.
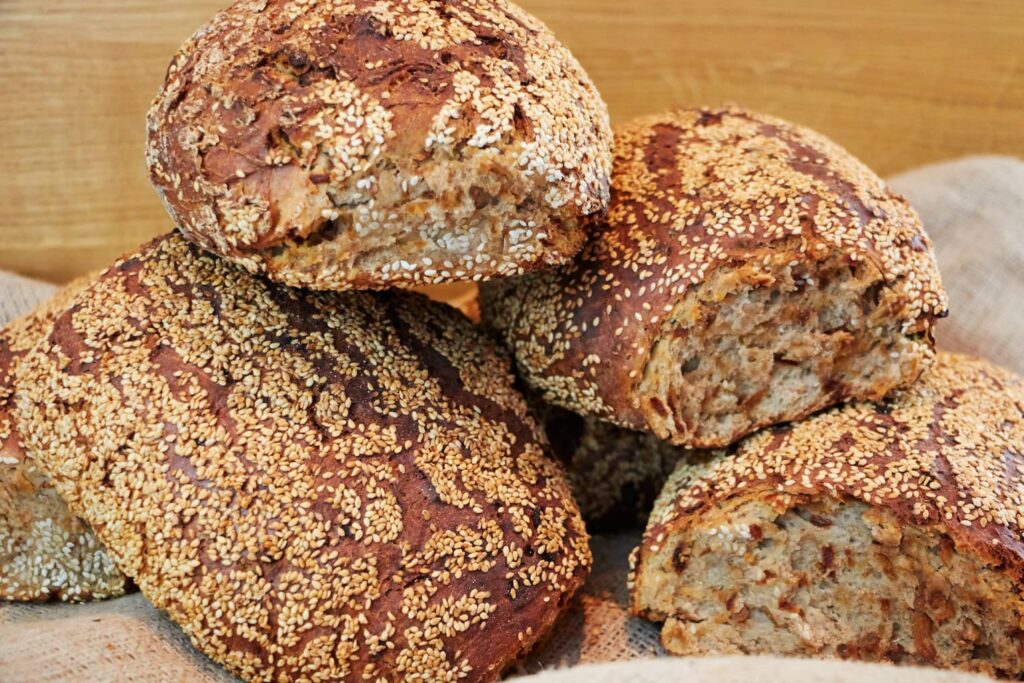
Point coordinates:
[[899, 82]]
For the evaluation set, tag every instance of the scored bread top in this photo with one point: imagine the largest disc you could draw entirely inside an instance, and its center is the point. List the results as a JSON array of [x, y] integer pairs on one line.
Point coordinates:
[[693, 191], [313, 486], [287, 125], [45, 551], [948, 451]]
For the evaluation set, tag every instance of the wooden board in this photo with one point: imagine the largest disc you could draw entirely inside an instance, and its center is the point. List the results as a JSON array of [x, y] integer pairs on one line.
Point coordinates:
[[899, 82]]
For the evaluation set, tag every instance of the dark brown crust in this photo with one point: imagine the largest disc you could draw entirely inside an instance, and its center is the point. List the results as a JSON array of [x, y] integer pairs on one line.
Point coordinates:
[[16, 339], [279, 116], [947, 452], [46, 553], [694, 192], [305, 476]]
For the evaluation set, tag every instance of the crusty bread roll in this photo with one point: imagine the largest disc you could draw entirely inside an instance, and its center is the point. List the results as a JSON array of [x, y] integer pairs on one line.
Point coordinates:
[[888, 531], [750, 272], [313, 486], [46, 552], [371, 143]]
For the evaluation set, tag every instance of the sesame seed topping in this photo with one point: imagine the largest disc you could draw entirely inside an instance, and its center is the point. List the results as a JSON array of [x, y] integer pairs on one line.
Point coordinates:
[[694, 191], [948, 450], [45, 551], [313, 486], [454, 122]]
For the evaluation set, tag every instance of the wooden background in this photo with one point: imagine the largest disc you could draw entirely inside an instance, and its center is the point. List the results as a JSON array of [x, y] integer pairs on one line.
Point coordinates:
[[899, 82]]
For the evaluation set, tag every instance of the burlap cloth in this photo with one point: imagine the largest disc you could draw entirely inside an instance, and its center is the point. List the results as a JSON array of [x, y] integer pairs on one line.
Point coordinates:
[[748, 670], [974, 211]]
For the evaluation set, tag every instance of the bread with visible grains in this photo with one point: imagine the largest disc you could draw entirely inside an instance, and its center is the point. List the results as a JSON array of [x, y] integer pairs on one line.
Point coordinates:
[[46, 553], [314, 486], [368, 144], [881, 531], [750, 272]]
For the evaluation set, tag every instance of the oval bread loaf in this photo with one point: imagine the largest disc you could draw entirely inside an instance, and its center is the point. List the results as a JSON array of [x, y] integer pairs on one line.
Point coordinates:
[[313, 486], [750, 272], [369, 144], [890, 531]]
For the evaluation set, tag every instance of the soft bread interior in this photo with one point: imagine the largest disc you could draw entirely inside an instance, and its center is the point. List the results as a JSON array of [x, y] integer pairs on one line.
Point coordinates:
[[771, 341], [830, 578], [460, 214]]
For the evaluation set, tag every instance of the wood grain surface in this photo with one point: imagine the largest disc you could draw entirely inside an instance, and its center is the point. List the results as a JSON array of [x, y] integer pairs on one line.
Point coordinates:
[[898, 82]]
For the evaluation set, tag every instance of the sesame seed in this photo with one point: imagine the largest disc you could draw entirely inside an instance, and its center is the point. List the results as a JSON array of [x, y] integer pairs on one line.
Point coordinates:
[[337, 458], [949, 448], [521, 102]]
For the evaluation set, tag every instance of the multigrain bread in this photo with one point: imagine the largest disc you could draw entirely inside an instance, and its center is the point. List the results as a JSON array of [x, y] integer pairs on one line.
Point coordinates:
[[313, 486], [750, 272], [615, 474], [367, 144], [46, 553], [888, 531]]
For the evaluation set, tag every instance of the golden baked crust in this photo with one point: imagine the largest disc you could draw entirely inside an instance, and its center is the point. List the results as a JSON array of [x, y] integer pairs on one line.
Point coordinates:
[[313, 486], [46, 553], [365, 144], [711, 208], [932, 477]]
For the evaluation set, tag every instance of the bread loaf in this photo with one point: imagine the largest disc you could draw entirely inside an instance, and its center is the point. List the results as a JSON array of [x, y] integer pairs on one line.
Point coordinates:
[[46, 553], [750, 272], [313, 486], [369, 144], [880, 531]]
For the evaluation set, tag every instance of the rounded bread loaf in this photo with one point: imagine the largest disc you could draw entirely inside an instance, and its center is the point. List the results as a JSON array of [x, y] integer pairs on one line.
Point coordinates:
[[313, 486], [888, 531], [367, 144], [750, 272]]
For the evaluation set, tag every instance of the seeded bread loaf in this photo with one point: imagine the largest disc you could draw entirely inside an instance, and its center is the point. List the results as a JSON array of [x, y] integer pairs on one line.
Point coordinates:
[[368, 144], [313, 486], [890, 531], [750, 272], [46, 553]]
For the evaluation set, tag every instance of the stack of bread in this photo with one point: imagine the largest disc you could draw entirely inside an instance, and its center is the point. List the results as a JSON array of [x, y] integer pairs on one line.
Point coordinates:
[[320, 475]]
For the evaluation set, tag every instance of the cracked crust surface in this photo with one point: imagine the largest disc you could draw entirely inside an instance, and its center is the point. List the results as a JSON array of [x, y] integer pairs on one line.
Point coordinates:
[[46, 552], [715, 215], [339, 144], [313, 486], [744, 551]]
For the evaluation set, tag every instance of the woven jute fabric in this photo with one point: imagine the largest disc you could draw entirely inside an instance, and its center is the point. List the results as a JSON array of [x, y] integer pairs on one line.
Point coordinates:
[[19, 295], [974, 211], [126, 639], [749, 670]]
